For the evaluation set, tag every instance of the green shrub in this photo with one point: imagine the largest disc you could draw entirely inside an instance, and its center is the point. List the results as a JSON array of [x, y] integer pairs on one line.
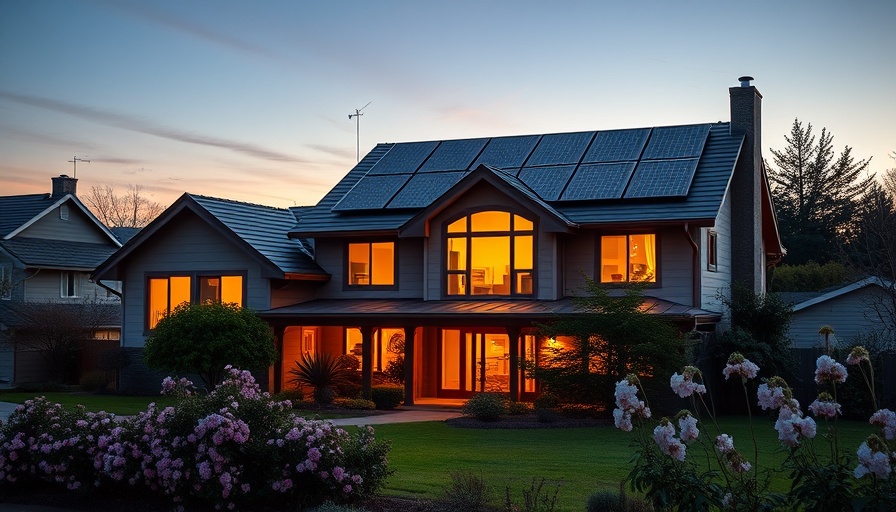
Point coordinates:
[[605, 501], [333, 507], [466, 491], [519, 408], [581, 411], [94, 382], [486, 406], [323, 373], [535, 499], [387, 396], [546, 400], [358, 404]]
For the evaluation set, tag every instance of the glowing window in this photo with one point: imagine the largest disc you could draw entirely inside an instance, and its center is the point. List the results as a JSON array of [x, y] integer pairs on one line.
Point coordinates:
[[371, 264], [490, 253], [165, 293], [628, 258]]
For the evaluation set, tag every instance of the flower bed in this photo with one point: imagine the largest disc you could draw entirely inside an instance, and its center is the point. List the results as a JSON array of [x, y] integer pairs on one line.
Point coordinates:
[[229, 449]]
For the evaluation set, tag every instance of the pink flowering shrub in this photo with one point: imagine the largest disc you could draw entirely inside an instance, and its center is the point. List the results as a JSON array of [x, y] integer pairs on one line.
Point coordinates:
[[233, 448], [822, 479]]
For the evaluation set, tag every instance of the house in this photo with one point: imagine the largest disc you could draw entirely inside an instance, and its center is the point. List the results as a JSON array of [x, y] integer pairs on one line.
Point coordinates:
[[854, 311], [49, 245], [446, 252]]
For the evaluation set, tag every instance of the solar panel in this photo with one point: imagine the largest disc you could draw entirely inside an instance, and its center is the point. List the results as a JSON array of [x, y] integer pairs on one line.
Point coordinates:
[[560, 148], [617, 146], [506, 152], [547, 182], [372, 192], [423, 189], [598, 181], [676, 142], [403, 158], [662, 178], [453, 155]]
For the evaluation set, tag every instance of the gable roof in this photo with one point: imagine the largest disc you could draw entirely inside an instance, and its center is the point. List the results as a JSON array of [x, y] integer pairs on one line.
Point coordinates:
[[808, 300], [654, 175], [259, 230]]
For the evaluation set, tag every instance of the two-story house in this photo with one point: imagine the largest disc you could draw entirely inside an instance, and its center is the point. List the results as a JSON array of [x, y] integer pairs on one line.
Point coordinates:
[[49, 245], [456, 248]]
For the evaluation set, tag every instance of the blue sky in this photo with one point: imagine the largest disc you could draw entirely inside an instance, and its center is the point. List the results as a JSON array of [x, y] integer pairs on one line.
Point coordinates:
[[250, 100]]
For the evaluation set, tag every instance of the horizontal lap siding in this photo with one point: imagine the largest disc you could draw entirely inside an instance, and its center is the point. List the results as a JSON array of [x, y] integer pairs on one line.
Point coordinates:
[[719, 281], [46, 285], [187, 245], [850, 315], [330, 255], [578, 259], [78, 228]]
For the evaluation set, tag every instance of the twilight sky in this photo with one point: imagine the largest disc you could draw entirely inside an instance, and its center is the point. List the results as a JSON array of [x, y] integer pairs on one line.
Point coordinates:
[[250, 100]]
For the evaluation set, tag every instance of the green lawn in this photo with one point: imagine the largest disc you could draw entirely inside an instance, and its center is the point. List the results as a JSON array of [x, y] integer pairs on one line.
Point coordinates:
[[580, 460]]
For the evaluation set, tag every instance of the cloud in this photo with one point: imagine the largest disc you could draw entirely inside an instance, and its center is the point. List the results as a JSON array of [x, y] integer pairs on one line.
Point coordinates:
[[140, 10], [43, 138], [147, 127]]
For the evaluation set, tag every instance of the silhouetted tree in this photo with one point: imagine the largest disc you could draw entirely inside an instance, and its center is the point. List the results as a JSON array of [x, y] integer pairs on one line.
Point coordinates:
[[128, 210], [816, 195]]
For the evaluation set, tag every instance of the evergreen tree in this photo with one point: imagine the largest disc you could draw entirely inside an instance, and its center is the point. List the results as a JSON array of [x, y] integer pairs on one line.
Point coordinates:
[[816, 195]]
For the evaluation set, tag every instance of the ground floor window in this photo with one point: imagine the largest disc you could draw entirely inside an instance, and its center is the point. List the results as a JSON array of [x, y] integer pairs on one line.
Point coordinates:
[[388, 346], [167, 292]]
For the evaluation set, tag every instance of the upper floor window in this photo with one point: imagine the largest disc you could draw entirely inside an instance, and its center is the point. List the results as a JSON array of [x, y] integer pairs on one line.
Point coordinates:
[[5, 283], [371, 264], [628, 258], [68, 285], [167, 292], [712, 251], [490, 253]]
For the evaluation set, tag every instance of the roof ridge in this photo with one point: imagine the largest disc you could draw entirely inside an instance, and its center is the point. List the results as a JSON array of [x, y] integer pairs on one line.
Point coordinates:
[[234, 201]]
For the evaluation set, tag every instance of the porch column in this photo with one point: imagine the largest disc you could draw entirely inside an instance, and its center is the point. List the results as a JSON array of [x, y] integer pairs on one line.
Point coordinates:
[[409, 365], [367, 361], [514, 333], [279, 333]]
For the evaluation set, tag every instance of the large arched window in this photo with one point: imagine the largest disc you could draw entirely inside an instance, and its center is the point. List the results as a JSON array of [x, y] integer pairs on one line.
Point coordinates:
[[490, 253]]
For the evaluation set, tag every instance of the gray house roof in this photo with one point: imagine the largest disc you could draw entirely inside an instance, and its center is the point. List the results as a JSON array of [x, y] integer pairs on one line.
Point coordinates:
[[667, 174], [260, 230], [17, 210], [803, 300]]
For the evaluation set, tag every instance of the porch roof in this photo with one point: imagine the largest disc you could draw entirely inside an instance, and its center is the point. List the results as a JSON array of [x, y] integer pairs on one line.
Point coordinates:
[[418, 312]]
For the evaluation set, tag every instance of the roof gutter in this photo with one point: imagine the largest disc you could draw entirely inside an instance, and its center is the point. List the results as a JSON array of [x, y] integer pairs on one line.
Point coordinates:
[[695, 265], [113, 291]]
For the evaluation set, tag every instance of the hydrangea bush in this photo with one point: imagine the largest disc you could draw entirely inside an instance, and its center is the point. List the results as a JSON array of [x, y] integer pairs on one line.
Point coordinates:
[[823, 474], [232, 448]]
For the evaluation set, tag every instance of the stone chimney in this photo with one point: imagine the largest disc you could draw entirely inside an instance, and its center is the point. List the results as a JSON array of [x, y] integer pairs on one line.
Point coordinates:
[[747, 258], [62, 185]]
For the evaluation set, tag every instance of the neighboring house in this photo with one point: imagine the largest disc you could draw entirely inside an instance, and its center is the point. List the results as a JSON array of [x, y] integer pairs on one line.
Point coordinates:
[[860, 309], [49, 245], [454, 249]]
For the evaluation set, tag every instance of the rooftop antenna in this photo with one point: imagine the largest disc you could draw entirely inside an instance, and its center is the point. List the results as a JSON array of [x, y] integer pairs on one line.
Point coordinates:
[[74, 161], [357, 115]]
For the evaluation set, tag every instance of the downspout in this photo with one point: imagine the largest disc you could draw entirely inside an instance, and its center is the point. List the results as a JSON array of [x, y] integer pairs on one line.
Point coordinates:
[[695, 266]]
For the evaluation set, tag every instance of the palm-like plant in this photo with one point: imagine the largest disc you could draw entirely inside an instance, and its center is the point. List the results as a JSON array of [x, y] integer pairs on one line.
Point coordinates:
[[322, 372]]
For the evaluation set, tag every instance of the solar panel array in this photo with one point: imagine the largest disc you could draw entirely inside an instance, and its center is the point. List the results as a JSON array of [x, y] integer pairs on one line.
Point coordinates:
[[581, 166]]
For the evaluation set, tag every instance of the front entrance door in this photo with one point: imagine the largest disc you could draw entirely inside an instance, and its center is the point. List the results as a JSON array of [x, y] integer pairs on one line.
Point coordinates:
[[473, 361]]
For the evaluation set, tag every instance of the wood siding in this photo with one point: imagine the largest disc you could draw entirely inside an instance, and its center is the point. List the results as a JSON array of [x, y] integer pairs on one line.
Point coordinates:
[[850, 315], [78, 228], [185, 245], [46, 285], [718, 281], [330, 255]]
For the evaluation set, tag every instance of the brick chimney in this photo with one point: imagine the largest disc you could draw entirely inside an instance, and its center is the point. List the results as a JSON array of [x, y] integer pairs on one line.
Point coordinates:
[[62, 185], [746, 208]]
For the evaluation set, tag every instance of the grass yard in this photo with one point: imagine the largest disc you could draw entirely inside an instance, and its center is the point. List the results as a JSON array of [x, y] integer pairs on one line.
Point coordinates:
[[580, 460]]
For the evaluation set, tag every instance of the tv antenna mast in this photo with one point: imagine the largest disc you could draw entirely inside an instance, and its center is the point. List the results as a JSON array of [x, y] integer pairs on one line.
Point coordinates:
[[74, 161], [357, 115]]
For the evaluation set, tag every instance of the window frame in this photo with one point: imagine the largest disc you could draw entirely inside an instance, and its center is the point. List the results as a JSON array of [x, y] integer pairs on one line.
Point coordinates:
[[468, 235], [347, 286], [69, 282], [598, 259], [194, 276], [712, 250]]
